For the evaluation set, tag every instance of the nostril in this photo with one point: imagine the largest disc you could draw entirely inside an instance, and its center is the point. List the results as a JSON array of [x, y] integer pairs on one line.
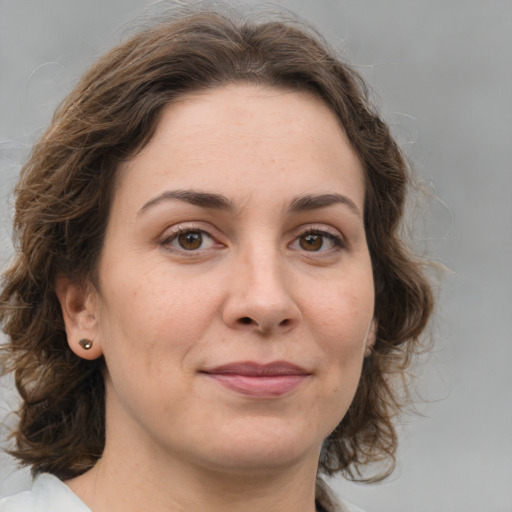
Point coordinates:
[[247, 320]]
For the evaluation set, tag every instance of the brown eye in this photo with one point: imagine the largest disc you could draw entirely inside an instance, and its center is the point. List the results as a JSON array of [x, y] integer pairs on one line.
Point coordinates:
[[191, 240], [311, 242], [318, 241]]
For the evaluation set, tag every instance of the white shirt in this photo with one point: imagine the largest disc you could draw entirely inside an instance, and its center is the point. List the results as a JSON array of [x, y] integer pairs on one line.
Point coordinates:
[[49, 494]]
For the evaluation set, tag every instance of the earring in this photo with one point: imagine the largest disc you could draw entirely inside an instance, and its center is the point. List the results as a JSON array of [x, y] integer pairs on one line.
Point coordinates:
[[85, 343]]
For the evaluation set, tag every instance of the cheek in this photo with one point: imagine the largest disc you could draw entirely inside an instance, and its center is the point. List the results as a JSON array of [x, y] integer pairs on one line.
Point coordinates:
[[147, 332], [340, 325], [153, 317], [342, 316]]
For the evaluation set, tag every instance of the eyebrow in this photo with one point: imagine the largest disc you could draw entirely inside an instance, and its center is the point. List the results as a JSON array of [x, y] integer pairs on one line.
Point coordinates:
[[202, 199], [314, 202], [220, 202]]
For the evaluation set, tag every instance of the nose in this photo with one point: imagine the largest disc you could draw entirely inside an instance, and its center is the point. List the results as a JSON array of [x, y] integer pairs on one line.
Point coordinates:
[[261, 296]]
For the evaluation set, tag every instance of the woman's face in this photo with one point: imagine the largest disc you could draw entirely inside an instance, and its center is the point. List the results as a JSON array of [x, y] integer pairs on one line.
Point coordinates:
[[235, 297]]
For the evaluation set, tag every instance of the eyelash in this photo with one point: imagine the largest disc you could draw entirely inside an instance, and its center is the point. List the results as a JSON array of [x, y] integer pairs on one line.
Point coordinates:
[[337, 241]]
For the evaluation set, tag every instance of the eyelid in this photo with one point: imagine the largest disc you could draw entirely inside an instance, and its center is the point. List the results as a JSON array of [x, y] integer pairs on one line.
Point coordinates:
[[321, 229]]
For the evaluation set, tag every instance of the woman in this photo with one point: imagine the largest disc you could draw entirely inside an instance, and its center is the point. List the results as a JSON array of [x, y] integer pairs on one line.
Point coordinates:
[[210, 304]]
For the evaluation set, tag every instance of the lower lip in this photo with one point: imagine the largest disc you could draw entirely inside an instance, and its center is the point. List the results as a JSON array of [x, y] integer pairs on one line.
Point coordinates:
[[261, 386]]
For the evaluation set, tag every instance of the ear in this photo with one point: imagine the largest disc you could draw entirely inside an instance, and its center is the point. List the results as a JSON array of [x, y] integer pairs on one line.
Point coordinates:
[[79, 310], [370, 339]]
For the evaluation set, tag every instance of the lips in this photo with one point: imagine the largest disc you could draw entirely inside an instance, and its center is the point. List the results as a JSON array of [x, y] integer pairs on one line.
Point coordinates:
[[259, 380]]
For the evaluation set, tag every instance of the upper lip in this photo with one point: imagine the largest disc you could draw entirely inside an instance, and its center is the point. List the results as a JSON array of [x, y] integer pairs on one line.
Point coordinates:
[[252, 369]]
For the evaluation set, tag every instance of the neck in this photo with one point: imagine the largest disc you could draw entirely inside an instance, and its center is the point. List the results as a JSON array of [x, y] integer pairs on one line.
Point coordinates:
[[128, 485]]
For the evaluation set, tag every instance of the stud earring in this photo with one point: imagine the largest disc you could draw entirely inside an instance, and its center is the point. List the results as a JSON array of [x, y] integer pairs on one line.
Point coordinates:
[[85, 343]]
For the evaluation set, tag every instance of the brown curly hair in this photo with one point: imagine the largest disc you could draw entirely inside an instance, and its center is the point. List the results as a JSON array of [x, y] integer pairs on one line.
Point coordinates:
[[62, 209]]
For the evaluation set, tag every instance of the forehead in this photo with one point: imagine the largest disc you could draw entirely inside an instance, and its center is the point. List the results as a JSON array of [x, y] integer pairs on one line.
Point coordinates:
[[245, 137]]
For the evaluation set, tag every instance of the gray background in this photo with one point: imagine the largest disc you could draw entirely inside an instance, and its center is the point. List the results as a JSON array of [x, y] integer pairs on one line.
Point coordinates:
[[443, 79]]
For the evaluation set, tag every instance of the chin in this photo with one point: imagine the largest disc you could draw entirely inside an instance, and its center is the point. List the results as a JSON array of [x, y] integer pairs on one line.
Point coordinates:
[[264, 448]]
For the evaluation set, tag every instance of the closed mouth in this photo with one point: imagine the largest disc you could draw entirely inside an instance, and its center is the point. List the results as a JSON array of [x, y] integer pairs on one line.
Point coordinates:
[[259, 380]]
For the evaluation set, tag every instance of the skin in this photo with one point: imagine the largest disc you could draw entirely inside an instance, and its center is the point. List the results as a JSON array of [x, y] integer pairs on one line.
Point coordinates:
[[266, 283]]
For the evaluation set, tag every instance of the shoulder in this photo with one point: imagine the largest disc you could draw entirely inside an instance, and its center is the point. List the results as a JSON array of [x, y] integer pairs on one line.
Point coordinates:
[[338, 505], [48, 494], [345, 506]]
